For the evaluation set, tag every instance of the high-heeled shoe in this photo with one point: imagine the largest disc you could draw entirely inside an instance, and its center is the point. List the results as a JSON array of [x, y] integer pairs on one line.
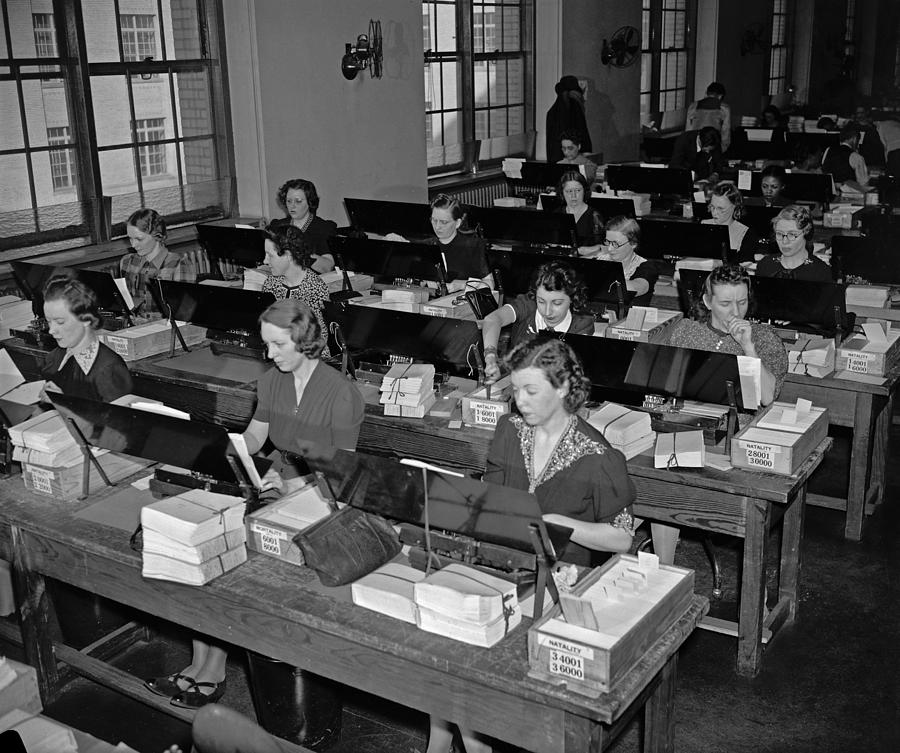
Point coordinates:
[[168, 686], [194, 697]]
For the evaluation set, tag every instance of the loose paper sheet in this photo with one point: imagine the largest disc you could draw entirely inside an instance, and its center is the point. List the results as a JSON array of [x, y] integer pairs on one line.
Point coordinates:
[[750, 370], [240, 446]]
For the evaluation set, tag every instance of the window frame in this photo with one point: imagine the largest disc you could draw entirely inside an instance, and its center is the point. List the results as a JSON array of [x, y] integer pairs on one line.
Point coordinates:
[[72, 69], [466, 57], [785, 9], [653, 31]]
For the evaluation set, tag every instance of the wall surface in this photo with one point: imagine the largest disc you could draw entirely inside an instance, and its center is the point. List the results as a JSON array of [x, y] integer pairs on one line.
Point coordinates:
[[613, 96], [295, 115], [743, 73]]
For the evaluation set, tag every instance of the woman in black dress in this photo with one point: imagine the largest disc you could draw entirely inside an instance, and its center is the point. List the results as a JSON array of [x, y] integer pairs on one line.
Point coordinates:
[[298, 197]]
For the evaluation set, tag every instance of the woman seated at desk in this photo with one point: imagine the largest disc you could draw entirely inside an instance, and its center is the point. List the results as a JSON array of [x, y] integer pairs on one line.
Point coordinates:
[[794, 236], [300, 400], [723, 328], [579, 480], [290, 275], [298, 197], [464, 252], [150, 259], [574, 189], [623, 237], [570, 143], [81, 365], [726, 205], [557, 301], [771, 186]]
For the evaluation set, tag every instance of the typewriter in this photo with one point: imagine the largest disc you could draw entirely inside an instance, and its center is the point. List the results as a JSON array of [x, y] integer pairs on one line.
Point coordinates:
[[236, 342]]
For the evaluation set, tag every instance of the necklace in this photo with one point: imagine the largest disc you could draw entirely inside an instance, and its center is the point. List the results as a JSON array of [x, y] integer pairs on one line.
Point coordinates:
[[723, 336]]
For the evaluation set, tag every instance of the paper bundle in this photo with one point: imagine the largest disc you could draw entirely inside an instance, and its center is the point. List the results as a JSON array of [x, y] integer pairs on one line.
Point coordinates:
[[874, 296], [46, 433], [467, 605], [390, 590], [625, 429], [193, 537], [683, 449], [811, 356], [408, 390]]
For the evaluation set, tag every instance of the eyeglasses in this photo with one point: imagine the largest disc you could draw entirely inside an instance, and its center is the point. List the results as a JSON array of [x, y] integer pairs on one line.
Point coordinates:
[[613, 245], [789, 237]]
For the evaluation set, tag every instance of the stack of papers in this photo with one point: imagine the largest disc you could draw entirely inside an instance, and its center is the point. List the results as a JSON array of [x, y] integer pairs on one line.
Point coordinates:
[[625, 429], [193, 537], [467, 605], [875, 296], [408, 390], [389, 590], [46, 433]]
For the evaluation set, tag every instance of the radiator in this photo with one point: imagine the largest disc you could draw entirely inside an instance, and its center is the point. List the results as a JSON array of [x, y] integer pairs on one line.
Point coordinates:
[[481, 194]]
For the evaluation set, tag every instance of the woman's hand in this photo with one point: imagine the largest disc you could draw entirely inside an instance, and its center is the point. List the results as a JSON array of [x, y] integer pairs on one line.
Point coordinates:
[[740, 330], [272, 480], [491, 368]]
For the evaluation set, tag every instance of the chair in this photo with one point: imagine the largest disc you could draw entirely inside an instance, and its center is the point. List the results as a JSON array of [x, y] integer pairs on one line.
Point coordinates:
[[218, 729]]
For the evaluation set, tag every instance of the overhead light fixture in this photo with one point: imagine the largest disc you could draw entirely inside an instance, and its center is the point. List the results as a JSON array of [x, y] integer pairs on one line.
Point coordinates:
[[365, 54]]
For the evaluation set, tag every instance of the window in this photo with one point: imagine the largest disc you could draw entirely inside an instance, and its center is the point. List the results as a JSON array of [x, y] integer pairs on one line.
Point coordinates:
[[850, 38], [115, 132], [138, 36], [667, 56], [478, 79], [152, 156], [780, 50], [62, 161]]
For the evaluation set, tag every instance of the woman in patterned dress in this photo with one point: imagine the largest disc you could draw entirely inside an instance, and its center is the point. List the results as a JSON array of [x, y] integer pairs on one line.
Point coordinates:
[[291, 276]]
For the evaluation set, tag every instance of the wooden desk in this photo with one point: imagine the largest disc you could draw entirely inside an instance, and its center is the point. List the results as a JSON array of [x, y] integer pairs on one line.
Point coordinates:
[[281, 611], [745, 504]]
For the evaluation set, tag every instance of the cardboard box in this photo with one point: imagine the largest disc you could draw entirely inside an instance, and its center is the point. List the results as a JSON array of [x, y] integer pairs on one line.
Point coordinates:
[[644, 324], [134, 343], [870, 353], [634, 602], [811, 356], [480, 410], [22, 693], [846, 216], [780, 438], [375, 301], [271, 529], [66, 482]]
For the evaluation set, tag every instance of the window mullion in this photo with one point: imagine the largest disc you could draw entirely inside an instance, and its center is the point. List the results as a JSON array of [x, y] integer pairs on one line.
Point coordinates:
[[464, 42]]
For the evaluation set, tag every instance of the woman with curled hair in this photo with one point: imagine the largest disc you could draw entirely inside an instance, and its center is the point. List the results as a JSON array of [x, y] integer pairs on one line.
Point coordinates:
[[579, 480], [150, 259], [793, 229], [621, 243], [557, 301], [726, 205], [290, 275], [301, 400], [81, 365], [300, 200], [574, 189]]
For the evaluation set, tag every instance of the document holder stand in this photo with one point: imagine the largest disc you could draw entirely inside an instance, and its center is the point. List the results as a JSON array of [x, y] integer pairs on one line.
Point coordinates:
[[446, 517], [160, 301], [203, 450]]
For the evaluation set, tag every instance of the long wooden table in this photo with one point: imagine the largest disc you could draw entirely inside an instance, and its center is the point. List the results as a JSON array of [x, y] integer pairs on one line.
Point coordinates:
[[281, 611]]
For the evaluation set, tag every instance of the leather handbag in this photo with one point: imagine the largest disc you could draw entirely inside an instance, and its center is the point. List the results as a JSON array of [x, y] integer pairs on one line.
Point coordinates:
[[481, 301], [347, 545]]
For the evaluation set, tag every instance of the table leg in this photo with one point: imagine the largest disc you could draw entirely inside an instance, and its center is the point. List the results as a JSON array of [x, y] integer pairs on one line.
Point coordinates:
[[753, 588], [791, 540], [37, 619], [880, 443], [859, 467], [659, 712]]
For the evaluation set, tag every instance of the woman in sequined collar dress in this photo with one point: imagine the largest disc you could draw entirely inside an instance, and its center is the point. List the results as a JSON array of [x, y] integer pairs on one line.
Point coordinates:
[[723, 326]]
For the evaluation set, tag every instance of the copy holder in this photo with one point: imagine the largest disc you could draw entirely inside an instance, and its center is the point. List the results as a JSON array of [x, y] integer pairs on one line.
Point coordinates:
[[161, 303], [388, 261], [446, 517], [203, 450]]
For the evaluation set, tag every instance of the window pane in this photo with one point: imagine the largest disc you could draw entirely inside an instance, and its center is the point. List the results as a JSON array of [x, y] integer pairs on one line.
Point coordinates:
[[152, 99], [441, 27], [199, 161], [110, 96], [484, 74], [4, 52], [512, 29], [11, 136], [182, 29], [14, 170], [100, 32], [45, 107], [194, 103], [117, 172]]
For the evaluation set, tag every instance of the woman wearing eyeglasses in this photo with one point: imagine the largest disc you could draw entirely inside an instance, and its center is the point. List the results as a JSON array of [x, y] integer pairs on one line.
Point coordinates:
[[623, 236], [793, 234], [726, 205], [574, 188]]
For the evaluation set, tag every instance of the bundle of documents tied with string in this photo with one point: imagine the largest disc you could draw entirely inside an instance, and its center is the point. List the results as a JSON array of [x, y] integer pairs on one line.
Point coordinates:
[[811, 355], [408, 390], [193, 537], [625, 429], [458, 602]]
